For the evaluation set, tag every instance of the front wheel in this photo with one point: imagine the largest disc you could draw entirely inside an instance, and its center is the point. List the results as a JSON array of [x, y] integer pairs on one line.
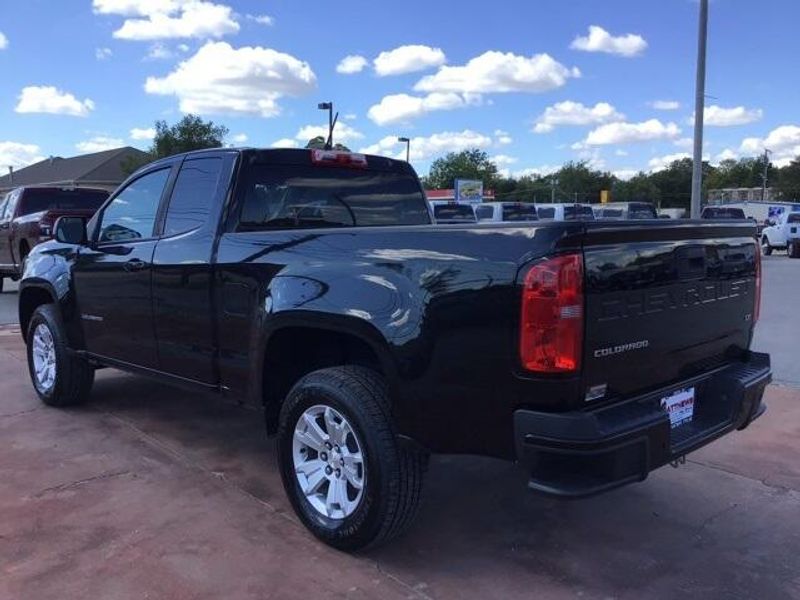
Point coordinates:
[[766, 248], [59, 377], [793, 249], [348, 479]]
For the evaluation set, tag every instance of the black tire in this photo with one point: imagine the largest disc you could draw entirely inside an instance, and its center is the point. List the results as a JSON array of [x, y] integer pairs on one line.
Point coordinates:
[[765, 247], [2, 279], [24, 250], [73, 375], [393, 472], [793, 249]]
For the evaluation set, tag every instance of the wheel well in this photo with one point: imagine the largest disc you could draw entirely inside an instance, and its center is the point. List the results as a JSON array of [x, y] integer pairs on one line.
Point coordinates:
[[29, 300], [294, 352]]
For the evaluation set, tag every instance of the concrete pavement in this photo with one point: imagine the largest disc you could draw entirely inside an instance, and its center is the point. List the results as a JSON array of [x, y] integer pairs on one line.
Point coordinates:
[[149, 492]]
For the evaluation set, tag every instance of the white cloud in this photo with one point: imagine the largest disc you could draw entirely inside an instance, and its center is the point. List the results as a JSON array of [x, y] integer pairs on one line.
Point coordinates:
[[262, 19], [726, 154], [626, 133], [401, 108], [599, 40], [239, 138], [285, 143], [183, 47], [625, 174], [159, 51], [408, 59], [540, 171], [498, 72], [783, 142], [350, 116], [665, 104], [19, 155], [102, 53], [147, 134], [424, 148], [352, 63], [164, 19], [503, 160], [620, 152], [3, 46], [223, 79], [717, 116], [341, 133], [659, 163], [99, 144], [48, 99], [502, 138], [684, 142], [575, 113]]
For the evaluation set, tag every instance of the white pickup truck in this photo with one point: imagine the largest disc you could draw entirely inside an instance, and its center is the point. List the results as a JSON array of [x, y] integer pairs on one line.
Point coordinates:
[[784, 235]]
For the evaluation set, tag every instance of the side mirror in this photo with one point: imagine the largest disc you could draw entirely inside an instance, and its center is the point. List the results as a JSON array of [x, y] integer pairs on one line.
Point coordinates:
[[70, 230]]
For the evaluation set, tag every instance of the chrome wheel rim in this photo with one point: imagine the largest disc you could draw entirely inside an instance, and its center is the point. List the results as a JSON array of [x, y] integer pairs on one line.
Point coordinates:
[[44, 358], [328, 462]]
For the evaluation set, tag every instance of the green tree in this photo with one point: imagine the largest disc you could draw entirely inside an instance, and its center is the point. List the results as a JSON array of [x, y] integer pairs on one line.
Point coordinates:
[[318, 143], [578, 180], [467, 164], [788, 181], [190, 133]]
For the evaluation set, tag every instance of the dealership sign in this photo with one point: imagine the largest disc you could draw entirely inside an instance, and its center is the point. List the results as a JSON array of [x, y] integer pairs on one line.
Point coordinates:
[[469, 190]]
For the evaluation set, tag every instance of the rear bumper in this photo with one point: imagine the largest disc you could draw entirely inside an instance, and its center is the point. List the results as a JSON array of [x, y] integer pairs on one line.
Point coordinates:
[[583, 453]]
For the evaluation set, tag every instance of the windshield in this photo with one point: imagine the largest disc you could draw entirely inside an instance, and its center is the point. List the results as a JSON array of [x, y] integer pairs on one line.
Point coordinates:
[[573, 212], [302, 197], [519, 212], [456, 213], [723, 213], [642, 211], [37, 200]]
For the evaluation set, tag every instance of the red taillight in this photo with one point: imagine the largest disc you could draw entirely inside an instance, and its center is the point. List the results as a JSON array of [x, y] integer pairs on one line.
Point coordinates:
[[551, 325], [335, 158], [757, 309]]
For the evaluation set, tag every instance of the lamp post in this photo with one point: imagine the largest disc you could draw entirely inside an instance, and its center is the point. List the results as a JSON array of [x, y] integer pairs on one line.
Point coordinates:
[[331, 122], [699, 108], [407, 142]]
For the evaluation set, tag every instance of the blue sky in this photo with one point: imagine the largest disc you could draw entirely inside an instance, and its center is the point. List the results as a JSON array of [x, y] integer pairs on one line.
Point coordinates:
[[534, 83]]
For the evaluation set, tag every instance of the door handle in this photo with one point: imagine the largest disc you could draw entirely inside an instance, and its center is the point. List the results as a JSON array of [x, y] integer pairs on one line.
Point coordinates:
[[134, 264]]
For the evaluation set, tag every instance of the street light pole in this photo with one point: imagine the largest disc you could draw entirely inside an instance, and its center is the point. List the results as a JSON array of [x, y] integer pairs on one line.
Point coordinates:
[[764, 175], [699, 108], [331, 122], [407, 142]]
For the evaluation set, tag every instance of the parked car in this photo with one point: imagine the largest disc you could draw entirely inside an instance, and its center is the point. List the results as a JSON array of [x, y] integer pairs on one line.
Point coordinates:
[[625, 210], [722, 212], [27, 217], [506, 211], [452, 213], [565, 212], [589, 352], [784, 235]]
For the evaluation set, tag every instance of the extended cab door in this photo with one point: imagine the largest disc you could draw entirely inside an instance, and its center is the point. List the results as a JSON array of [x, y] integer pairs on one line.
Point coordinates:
[[112, 277], [182, 268], [9, 205]]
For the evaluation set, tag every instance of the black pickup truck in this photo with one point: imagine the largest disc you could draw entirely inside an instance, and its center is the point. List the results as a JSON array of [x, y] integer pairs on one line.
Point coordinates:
[[313, 284]]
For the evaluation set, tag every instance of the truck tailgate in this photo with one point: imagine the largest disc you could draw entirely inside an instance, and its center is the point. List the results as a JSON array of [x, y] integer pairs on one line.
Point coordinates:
[[665, 302]]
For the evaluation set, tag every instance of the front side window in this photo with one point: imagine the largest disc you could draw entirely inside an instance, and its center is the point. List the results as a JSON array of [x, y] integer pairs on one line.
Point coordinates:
[[303, 197], [548, 212], [193, 195], [41, 199], [132, 214], [519, 212], [484, 212]]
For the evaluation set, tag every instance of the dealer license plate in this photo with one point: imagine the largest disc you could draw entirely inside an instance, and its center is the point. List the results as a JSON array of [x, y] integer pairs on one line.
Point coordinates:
[[679, 406]]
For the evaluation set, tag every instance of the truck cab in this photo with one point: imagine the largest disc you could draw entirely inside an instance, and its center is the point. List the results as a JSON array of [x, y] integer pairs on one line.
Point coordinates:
[[783, 235]]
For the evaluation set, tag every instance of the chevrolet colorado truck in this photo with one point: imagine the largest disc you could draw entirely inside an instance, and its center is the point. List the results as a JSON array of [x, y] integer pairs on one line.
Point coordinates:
[[27, 216], [314, 285]]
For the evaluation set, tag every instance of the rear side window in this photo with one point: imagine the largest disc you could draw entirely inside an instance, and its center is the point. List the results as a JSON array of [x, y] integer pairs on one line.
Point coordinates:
[[38, 200], [302, 197], [519, 212], [192, 195], [546, 212], [573, 212], [454, 212], [793, 218], [642, 211], [484, 212]]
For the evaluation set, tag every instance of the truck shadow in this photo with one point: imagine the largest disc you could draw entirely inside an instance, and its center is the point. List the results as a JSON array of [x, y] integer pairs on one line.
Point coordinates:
[[481, 533]]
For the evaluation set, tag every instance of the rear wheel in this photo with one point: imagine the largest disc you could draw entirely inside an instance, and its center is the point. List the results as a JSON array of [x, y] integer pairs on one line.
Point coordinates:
[[59, 377], [348, 479], [793, 249], [2, 279], [766, 249]]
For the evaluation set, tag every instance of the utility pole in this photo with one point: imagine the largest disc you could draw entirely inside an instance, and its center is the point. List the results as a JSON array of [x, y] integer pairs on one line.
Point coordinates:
[[553, 190], [764, 175], [699, 108]]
